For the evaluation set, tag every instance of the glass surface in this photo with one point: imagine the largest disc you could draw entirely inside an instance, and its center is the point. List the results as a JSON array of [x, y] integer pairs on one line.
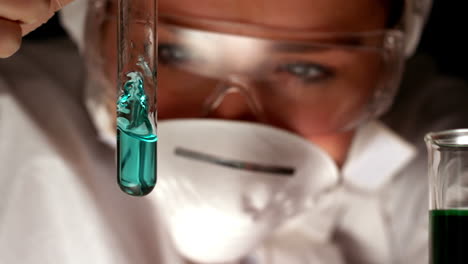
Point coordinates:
[[136, 103], [448, 183]]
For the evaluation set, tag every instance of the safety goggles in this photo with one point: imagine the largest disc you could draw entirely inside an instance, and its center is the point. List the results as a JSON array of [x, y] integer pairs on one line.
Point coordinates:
[[306, 82], [322, 81]]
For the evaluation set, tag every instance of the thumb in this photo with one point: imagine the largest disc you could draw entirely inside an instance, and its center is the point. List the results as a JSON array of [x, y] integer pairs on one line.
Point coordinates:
[[54, 6]]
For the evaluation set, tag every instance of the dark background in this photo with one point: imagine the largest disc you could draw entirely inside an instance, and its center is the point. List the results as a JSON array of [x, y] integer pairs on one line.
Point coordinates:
[[444, 38]]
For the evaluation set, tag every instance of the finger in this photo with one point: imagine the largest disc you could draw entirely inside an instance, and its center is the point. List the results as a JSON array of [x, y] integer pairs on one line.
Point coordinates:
[[26, 28], [25, 11], [10, 37], [54, 6]]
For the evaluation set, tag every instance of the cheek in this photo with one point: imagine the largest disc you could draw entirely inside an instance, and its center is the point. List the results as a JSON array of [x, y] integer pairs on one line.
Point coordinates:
[[101, 64], [109, 65], [109, 51], [181, 94], [341, 102]]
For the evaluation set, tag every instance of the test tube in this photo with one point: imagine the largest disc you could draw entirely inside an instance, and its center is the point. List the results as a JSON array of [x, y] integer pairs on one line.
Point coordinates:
[[136, 104]]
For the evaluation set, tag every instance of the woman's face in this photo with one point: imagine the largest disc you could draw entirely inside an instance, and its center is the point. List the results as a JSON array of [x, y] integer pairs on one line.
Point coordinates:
[[339, 89]]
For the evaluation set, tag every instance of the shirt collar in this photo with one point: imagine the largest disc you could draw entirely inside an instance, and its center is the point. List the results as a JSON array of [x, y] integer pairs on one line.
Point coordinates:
[[376, 156]]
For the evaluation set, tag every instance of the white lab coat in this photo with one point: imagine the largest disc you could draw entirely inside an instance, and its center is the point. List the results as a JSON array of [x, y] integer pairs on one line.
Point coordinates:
[[60, 202]]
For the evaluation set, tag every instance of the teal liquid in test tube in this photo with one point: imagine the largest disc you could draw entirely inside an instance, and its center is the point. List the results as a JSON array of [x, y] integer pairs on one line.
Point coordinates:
[[136, 104]]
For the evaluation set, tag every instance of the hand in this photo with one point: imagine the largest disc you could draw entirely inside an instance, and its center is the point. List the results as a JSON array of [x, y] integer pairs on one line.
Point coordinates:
[[19, 17]]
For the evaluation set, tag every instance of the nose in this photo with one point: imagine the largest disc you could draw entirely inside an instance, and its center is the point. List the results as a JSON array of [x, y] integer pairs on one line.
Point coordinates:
[[233, 101]]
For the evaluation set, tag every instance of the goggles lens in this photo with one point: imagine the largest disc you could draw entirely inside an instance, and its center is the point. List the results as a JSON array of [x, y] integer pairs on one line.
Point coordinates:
[[331, 81]]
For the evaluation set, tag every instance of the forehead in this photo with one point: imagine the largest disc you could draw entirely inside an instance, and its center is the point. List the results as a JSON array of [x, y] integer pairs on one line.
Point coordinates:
[[316, 15]]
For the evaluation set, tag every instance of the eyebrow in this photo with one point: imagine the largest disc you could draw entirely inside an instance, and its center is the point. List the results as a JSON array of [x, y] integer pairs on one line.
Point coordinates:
[[297, 48], [321, 45]]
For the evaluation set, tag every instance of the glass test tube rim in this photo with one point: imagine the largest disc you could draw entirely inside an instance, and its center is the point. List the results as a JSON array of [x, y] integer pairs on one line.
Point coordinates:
[[451, 138]]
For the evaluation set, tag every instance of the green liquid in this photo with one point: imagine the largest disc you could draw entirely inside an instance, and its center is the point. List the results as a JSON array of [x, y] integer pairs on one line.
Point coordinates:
[[136, 163], [136, 142], [449, 236]]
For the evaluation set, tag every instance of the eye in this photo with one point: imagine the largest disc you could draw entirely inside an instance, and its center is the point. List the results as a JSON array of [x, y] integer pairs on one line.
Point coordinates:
[[306, 71], [172, 54]]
